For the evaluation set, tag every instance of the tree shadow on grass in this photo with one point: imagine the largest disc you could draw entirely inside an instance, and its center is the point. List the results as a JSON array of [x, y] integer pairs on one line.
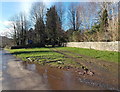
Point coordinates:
[[28, 52]]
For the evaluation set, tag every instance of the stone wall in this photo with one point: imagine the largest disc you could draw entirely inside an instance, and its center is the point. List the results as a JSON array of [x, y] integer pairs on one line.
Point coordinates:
[[109, 46]]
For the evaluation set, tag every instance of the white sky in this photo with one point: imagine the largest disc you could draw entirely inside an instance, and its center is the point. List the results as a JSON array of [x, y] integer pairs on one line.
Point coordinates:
[[59, 0]]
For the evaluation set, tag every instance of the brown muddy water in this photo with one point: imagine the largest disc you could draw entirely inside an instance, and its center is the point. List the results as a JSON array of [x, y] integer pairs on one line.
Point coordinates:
[[63, 79], [58, 79], [19, 75]]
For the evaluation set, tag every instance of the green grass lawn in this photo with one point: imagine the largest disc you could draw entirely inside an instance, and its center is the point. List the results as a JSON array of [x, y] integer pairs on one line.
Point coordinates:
[[42, 55], [102, 55]]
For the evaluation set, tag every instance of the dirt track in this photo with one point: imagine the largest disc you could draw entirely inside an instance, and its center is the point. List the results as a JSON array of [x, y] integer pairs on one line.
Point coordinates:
[[105, 72]]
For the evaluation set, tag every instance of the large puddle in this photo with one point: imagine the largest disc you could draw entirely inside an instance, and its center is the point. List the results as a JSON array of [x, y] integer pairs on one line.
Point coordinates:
[[57, 79]]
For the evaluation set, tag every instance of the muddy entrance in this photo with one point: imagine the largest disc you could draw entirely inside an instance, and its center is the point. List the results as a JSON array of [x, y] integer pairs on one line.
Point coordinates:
[[28, 76], [60, 79]]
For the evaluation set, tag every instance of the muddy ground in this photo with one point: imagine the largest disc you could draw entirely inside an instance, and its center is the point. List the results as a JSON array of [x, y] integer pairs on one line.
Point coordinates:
[[105, 73], [20, 75]]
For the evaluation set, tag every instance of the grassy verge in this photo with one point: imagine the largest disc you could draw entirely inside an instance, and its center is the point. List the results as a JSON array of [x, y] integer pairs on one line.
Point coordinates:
[[43, 55], [39, 54], [46, 56], [102, 55]]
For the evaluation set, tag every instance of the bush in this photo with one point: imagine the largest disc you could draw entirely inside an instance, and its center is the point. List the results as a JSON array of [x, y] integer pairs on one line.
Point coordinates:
[[18, 47]]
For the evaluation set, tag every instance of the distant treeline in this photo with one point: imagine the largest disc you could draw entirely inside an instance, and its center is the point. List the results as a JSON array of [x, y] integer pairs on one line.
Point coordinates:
[[88, 21], [6, 42]]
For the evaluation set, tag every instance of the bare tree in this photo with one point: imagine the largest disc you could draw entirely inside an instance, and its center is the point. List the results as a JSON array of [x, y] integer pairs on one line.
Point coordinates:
[[113, 21], [16, 27], [38, 10], [87, 13], [112, 30], [61, 12], [20, 25], [73, 16]]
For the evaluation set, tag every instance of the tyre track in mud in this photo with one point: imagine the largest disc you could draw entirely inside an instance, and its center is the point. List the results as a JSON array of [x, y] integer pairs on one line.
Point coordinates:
[[104, 77]]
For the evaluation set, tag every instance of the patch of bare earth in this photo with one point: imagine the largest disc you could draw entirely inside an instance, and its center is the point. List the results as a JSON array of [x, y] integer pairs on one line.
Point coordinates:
[[98, 72]]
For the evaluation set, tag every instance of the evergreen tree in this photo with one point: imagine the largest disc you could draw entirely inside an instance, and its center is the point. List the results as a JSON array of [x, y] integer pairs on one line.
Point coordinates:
[[104, 23], [53, 26]]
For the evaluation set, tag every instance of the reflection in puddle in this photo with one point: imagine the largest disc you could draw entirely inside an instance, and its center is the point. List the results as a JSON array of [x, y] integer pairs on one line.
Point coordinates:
[[57, 79], [4, 67]]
